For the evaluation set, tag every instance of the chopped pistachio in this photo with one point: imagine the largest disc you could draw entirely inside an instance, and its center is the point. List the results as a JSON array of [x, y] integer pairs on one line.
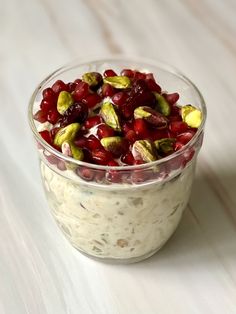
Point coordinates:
[[118, 81], [162, 105], [110, 116], [92, 78], [165, 145], [112, 144], [140, 113], [64, 101], [191, 115], [66, 134], [145, 150]]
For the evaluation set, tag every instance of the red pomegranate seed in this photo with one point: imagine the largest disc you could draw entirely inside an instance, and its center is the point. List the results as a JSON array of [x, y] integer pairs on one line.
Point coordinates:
[[52, 159], [107, 90], [49, 95], [127, 126], [92, 100], [40, 116], [81, 142], [175, 111], [58, 87], [185, 137], [178, 127], [113, 163], [77, 81], [46, 105], [127, 72], [158, 134], [92, 121], [53, 116], [93, 143], [139, 76], [141, 128], [150, 76], [175, 118], [153, 86], [81, 91], [101, 156], [171, 98], [109, 73], [138, 162], [46, 136], [131, 136], [61, 165], [85, 173], [119, 98], [104, 131], [128, 158], [71, 87], [178, 146], [188, 156]]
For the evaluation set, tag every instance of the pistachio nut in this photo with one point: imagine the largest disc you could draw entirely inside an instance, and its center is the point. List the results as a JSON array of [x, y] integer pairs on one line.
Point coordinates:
[[64, 101], [113, 144], [92, 78], [110, 116], [66, 134], [118, 81], [151, 116], [145, 150], [165, 145], [71, 150], [191, 115], [162, 104]]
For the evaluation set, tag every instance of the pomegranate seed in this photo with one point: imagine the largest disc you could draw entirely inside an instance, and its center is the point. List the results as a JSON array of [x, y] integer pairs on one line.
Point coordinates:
[[53, 116], [175, 111], [52, 159], [93, 143], [119, 98], [53, 132], [141, 128], [49, 95], [46, 136], [185, 137], [127, 126], [127, 72], [58, 87], [46, 105], [188, 156], [109, 73], [113, 163], [139, 76], [81, 91], [104, 131], [140, 176], [131, 136], [92, 121], [61, 165], [178, 146], [107, 90], [78, 112], [40, 116], [101, 156], [71, 87], [150, 76], [81, 142], [114, 176], [77, 81], [85, 173], [178, 127], [158, 134], [153, 86], [175, 118], [138, 162], [128, 158], [92, 100], [171, 98]]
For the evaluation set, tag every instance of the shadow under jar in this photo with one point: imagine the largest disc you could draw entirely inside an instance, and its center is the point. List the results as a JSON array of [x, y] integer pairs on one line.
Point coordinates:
[[119, 214]]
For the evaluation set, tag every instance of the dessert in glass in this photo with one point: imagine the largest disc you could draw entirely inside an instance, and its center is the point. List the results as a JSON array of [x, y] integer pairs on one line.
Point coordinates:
[[118, 140]]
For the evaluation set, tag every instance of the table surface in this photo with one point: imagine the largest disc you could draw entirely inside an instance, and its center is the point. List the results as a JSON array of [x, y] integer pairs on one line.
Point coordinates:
[[196, 271]]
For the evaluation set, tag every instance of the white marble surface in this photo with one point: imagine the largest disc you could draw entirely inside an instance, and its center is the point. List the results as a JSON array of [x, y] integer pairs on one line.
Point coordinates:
[[40, 273]]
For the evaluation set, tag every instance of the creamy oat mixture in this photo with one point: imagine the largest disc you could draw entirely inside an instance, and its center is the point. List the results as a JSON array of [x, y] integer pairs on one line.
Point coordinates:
[[117, 221]]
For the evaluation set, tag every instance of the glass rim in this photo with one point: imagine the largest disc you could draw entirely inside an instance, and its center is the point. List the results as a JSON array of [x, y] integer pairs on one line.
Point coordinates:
[[120, 57]]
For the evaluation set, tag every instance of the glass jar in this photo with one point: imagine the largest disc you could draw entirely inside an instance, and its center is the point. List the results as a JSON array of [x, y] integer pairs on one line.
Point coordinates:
[[119, 214]]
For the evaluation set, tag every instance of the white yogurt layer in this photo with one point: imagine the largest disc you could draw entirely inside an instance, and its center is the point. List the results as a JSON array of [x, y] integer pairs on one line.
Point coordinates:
[[116, 222]]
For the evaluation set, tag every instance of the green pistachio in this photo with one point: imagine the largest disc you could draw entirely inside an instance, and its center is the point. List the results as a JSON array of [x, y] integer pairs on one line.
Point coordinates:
[[118, 81], [145, 150], [191, 115], [113, 144], [110, 116], [66, 134], [162, 105], [64, 101], [71, 150], [92, 78], [140, 113], [165, 145]]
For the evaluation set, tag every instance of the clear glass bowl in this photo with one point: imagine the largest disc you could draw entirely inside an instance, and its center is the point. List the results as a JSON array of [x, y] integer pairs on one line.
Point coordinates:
[[119, 214]]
